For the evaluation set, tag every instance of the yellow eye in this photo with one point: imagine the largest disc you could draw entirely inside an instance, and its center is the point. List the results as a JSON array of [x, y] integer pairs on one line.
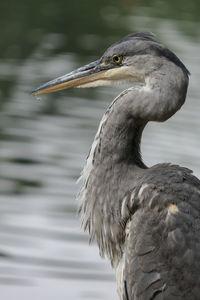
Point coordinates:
[[117, 59]]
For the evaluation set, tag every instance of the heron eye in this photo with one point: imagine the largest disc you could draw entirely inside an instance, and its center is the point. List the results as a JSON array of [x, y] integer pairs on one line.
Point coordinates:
[[117, 59]]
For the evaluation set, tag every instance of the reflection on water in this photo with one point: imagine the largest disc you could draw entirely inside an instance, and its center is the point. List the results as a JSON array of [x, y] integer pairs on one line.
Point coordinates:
[[43, 145]]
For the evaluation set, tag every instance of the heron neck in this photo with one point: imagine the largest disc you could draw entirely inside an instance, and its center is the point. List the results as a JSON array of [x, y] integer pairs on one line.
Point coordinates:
[[119, 139], [114, 163]]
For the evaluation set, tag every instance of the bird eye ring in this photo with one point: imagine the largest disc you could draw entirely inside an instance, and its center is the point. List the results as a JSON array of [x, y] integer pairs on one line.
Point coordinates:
[[117, 59]]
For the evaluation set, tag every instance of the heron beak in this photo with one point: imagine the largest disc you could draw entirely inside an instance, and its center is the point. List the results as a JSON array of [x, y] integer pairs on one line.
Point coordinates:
[[95, 71]]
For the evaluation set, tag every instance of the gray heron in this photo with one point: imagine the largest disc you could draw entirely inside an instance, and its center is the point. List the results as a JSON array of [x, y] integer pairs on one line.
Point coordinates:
[[145, 219]]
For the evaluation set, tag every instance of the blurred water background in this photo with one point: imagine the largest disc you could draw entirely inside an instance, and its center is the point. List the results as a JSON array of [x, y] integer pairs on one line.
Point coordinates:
[[44, 142]]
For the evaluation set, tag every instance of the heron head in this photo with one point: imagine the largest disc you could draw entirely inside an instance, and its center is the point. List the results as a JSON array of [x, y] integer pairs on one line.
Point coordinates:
[[129, 60]]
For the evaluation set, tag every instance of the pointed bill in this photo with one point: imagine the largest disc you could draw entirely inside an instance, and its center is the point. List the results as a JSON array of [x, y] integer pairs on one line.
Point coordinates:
[[87, 74]]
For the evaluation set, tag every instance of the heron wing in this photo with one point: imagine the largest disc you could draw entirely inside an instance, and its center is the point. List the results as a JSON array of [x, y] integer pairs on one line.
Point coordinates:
[[162, 244]]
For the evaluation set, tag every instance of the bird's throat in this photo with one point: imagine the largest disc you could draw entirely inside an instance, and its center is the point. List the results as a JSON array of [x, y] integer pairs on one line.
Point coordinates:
[[113, 164], [119, 140]]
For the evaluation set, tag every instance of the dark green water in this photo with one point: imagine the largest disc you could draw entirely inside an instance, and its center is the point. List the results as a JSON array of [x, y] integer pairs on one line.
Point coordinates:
[[43, 143]]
